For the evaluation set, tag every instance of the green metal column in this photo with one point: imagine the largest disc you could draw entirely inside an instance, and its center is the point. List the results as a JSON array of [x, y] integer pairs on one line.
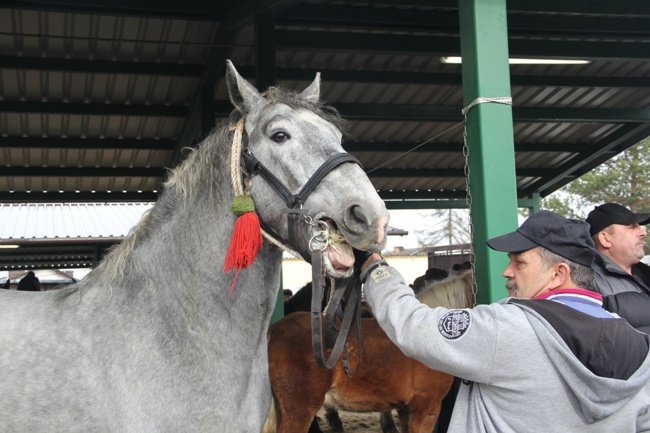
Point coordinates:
[[492, 187]]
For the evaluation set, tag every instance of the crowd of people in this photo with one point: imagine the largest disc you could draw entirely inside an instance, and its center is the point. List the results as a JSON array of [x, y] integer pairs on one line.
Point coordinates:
[[566, 350]]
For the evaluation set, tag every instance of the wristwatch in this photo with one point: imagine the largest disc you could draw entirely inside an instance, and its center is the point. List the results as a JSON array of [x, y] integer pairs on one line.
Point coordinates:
[[371, 267]]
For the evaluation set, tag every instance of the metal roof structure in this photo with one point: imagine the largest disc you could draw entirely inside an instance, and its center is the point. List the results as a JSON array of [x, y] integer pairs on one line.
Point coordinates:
[[97, 100], [63, 235]]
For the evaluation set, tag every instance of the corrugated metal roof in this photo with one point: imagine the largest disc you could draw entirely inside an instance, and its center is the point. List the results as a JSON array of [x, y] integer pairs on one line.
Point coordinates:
[[71, 221], [113, 87]]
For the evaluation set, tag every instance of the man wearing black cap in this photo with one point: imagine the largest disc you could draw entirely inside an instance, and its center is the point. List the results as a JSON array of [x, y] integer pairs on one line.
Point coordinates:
[[550, 358], [621, 277]]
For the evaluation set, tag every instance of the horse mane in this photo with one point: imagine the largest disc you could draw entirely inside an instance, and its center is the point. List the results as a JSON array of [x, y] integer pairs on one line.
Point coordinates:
[[185, 179], [453, 292], [202, 170]]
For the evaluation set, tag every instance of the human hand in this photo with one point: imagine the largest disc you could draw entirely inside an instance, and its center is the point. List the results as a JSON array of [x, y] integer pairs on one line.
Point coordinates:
[[363, 258]]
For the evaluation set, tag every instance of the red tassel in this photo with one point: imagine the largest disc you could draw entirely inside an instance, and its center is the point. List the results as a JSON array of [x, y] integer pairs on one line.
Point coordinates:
[[245, 243]]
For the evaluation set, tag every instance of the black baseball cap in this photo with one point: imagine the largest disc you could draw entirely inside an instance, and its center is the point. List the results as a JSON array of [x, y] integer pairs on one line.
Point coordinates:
[[464, 265], [607, 214], [565, 237]]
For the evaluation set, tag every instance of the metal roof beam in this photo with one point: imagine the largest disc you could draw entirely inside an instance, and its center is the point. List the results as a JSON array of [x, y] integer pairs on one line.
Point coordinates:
[[618, 8], [447, 20], [364, 17], [577, 81], [205, 11], [405, 173], [92, 172], [426, 204], [450, 45], [421, 194], [80, 197], [85, 109], [405, 77], [626, 136], [86, 143], [386, 77], [401, 147], [392, 112], [632, 8], [99, 66], [404, 112], [566, 114]]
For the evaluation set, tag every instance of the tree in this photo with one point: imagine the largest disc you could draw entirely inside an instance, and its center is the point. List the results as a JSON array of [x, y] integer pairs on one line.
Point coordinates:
[[623, 179], [450, 227]]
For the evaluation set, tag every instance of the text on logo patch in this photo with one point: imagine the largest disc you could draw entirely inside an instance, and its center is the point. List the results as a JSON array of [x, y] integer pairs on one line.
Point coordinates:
[[454, 324]]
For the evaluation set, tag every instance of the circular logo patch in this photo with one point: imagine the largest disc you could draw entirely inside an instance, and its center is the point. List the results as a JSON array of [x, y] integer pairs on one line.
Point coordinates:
[[454, 324]]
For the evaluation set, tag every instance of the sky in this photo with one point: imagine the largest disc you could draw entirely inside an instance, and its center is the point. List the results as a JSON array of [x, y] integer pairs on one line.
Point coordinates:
[[409, 220]]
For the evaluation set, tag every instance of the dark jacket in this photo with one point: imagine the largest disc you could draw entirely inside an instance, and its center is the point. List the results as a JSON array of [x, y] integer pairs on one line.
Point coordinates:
[[30, 282], [624, 294]]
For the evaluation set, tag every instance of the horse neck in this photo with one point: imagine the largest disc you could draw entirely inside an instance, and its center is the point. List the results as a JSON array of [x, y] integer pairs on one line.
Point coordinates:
[[181, 244], [455, 292]]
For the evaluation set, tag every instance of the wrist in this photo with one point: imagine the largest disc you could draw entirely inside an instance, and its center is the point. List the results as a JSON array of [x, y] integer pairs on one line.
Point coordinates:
[[370, 266], [374, 257]]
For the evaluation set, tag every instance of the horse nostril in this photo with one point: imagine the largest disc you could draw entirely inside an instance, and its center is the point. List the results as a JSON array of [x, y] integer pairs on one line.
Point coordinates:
[[356, 221]]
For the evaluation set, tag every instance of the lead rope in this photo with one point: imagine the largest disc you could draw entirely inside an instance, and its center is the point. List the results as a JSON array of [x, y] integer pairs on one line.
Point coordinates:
[[241, 184], [468, 196]]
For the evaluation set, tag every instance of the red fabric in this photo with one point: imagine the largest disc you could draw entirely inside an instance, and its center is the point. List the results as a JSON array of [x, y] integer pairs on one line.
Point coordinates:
[[580, 292], [245, 243]]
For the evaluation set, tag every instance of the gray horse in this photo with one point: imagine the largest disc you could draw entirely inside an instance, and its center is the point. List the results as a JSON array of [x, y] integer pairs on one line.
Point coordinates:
[[151, 340]]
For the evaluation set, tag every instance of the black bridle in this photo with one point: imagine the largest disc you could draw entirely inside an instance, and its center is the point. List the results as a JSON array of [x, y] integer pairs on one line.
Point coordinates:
[[255, 167], [347, 293]]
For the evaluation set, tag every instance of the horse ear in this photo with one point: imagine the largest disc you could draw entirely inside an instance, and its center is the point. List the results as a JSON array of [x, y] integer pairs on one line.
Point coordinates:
[[312, 93], [243, 94]]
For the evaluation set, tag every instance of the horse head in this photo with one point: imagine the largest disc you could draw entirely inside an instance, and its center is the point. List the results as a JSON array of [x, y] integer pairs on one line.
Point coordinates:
[[302, 181]]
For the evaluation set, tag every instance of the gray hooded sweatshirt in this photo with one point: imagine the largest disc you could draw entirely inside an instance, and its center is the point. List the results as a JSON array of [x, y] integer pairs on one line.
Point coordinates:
[[518, 373]]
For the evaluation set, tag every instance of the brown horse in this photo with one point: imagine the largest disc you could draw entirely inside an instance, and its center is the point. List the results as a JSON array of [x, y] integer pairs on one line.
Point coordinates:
[[385, 379]]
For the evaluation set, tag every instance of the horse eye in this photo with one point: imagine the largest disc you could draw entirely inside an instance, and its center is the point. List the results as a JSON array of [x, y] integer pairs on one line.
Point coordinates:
[[280, 137]]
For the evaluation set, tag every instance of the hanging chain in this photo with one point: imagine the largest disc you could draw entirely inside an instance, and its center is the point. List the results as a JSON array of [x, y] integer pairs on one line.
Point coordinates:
[[468, 196]]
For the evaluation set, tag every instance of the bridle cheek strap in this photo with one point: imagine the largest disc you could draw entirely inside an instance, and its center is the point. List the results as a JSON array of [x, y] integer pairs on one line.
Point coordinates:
[[255, 167]]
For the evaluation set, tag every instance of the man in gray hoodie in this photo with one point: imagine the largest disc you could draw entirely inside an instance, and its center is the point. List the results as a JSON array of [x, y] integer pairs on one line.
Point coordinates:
[[547, 359]]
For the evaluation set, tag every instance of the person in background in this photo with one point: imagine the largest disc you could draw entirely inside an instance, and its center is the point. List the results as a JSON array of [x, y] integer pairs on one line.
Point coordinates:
[[431, 275], [621, 277], [30, 282], [287, 294], [547, 359], [461, 268]]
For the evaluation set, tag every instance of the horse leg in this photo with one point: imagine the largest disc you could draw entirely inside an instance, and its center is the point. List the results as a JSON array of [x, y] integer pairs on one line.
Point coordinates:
[[314, 427], [387, 423], [332, 415], [299, 420], [403, 415], [422, 421]]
